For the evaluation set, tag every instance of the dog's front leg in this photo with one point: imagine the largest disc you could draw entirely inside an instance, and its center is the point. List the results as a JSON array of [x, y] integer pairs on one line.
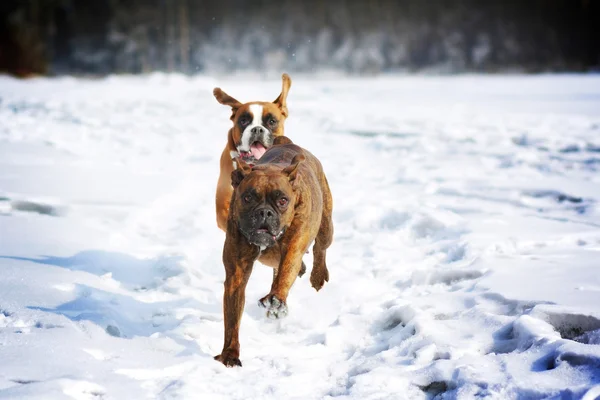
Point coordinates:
[[289, 268], [237, 275]]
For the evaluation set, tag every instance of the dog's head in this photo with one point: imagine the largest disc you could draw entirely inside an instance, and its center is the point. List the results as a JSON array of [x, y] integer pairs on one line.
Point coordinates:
[[255, 124], [264, 200]]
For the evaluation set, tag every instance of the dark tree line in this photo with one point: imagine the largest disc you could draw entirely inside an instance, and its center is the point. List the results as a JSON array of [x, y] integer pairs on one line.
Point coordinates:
[[356, 36]]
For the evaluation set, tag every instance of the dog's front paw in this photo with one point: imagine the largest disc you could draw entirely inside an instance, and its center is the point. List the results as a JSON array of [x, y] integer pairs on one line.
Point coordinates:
[[276, 308], [229, 359]]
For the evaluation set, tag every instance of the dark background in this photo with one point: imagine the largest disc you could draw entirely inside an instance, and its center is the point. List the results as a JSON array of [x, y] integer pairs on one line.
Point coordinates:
[[360, 37]]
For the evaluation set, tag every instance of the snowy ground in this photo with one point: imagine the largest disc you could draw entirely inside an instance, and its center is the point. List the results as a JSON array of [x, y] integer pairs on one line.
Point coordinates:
[[465, 263]]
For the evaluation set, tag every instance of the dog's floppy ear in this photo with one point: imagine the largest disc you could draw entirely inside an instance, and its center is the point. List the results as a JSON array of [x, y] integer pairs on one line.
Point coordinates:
[[227, 100], [240, 172], [280, 101], [292, 170]]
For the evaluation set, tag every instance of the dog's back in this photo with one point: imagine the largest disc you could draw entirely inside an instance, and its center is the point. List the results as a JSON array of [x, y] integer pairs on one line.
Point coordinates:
[[280, 155], [283, 152]]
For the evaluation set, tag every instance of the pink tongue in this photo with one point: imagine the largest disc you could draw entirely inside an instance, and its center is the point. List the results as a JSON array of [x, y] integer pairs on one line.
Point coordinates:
[[257, 150]]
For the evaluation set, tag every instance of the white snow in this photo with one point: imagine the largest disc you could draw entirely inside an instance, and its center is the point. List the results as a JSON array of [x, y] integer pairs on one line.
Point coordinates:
[[465, 260]]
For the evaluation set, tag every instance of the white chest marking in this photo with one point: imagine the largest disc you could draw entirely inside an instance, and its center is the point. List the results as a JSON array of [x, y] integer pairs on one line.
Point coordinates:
[[233, 155]]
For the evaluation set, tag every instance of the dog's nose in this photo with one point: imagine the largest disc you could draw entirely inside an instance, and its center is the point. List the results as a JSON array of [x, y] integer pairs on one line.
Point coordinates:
[[265, 213], [259, 130]]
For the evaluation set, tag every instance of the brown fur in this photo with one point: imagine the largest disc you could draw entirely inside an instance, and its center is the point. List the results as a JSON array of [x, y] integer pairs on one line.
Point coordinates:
[[278, 108], [293, 170]]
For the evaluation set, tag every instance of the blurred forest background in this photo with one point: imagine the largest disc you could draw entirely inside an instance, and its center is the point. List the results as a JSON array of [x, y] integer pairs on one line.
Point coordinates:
[[353, 36]]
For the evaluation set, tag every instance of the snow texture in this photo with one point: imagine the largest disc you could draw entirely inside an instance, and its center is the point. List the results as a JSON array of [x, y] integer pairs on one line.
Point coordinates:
[[464, 265]]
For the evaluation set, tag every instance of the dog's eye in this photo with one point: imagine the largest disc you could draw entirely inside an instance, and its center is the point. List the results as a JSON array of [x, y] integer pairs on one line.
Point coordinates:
[[247, 198], [282, 202], [272, 122], [244, 121]]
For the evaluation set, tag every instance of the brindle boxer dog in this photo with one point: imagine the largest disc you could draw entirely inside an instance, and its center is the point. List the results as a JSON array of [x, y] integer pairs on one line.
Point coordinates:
[[278, 208]]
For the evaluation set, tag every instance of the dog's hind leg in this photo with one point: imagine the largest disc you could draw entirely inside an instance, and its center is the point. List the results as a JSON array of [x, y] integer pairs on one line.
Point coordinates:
[[320, 274]]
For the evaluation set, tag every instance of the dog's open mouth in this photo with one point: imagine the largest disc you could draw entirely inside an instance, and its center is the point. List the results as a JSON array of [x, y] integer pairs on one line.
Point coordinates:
[[257, 150]]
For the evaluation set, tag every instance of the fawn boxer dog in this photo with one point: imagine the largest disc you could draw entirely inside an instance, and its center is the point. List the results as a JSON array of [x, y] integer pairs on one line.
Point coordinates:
[[279, 206], [255, 125]]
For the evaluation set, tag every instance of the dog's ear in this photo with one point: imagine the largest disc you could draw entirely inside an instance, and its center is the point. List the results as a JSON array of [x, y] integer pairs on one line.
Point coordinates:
[[280, 101], [240, 172], [292, 170], [227, 100]]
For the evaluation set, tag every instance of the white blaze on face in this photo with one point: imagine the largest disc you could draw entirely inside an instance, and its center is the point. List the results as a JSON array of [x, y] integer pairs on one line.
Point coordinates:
[[255, 136], [257, 111]]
